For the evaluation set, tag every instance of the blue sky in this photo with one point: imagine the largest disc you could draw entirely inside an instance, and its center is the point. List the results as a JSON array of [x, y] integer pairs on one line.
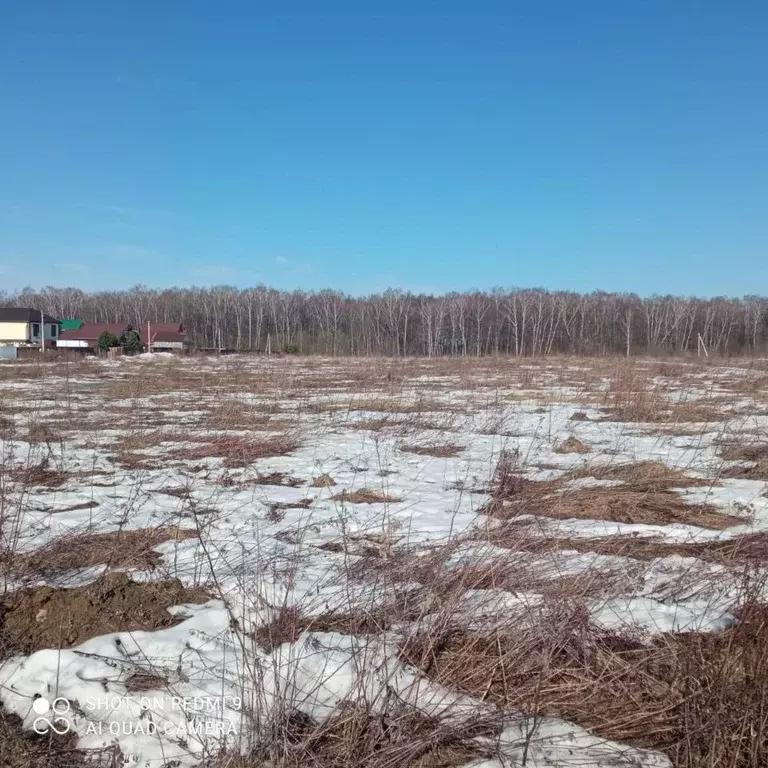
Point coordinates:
[[358, 144]]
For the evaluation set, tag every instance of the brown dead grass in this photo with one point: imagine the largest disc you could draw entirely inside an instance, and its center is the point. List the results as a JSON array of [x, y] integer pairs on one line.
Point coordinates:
[[42, 474], [48, 617], [746, 549], [323, 481], [40, 432], [142, 680], [641, 500], [20, 748], [278, 478], [620, 506], [437, 450], [756, 453], [572, 445], [697, 697], [238, 452], [366, 496], [650, 410], [420, 405], [355, 738], [119, 549], [644, 476]]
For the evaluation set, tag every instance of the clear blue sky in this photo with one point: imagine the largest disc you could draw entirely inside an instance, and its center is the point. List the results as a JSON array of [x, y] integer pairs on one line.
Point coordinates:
[[358, 144]]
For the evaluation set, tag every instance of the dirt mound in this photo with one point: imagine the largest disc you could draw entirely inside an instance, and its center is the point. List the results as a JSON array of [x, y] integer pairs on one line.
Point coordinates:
[[48, 617]]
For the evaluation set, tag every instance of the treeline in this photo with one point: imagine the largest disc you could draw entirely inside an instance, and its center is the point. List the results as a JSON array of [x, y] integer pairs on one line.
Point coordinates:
[[511, 322]]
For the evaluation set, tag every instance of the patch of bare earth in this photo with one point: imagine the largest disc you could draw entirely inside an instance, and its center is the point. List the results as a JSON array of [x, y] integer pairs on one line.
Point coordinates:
[[49, 617], [697, 697]]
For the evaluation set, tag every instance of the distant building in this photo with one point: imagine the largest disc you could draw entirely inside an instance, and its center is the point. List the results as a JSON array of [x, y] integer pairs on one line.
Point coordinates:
[[86, 337], [71, 324], [162, 337], [166, 337], [24, 327]]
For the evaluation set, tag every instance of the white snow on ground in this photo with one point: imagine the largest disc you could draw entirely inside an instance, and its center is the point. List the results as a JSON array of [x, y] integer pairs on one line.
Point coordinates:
[[260, 556]]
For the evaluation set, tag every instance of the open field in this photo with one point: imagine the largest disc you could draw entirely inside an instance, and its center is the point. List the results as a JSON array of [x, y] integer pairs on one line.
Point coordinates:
[[322, 562]]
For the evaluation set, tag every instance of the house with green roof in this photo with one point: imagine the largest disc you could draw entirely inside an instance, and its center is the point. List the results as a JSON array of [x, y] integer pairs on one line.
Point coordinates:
[[71, 324]]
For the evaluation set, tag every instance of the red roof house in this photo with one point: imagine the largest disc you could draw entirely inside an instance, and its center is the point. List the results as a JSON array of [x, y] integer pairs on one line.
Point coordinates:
[[87, 335], [163, 336]]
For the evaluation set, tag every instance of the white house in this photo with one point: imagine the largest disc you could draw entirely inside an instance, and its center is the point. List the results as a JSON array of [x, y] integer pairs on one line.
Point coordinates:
[[21, 327]]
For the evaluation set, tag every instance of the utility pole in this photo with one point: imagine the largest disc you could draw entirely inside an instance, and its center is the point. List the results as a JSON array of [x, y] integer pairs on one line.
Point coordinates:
[[149, 338], [42, 331]]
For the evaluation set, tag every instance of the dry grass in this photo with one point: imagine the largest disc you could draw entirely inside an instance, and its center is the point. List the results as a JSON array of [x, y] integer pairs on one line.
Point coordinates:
[[755, 453], [358, 738], [739, 550], [650, 411], [572, 445], [24, 749], [323, 481], [366, 496], [640, 500], [40, 474], [643, 476], [278, 478], [420, 405], [437, 450], [118, 550], [698, 697], [238, 452], [40, 432]]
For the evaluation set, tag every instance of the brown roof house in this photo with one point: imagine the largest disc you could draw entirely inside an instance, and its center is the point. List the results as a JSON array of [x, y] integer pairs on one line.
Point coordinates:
[[166, 337], [86, 337]]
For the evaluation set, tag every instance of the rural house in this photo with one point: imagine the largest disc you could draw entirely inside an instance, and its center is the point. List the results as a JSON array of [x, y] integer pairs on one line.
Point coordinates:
[[71, 324], [24, 327], [86, 337], [164, 337]]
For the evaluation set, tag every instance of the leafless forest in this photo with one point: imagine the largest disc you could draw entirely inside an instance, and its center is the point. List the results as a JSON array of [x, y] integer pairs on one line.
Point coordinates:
[[515, 322]]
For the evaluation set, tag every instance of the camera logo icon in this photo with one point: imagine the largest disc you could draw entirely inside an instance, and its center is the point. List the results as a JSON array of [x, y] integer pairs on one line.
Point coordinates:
[[51, 715]]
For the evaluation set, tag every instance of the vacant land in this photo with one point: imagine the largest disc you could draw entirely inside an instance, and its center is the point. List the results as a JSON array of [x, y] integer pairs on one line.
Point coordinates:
[[485, 562]]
